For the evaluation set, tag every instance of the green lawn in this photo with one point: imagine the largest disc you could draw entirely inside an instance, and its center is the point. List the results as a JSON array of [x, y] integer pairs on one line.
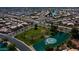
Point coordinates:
[[33, 36]]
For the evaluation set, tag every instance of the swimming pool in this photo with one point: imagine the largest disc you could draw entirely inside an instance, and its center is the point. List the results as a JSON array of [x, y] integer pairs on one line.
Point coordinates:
[[51, 41]]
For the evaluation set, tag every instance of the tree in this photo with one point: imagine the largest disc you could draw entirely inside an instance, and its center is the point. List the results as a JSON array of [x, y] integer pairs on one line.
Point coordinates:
[[71, 45], [74, 33], [60, 22], [48, 48], [53, 29], [5, 39], [36, 27], [12, 47]]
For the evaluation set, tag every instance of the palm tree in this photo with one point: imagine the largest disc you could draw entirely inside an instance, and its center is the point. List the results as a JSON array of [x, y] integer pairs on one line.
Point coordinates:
[[53, 29]]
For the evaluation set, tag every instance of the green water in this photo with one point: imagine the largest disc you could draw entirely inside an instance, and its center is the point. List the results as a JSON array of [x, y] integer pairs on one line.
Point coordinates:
[[60, 37], [4, 49]]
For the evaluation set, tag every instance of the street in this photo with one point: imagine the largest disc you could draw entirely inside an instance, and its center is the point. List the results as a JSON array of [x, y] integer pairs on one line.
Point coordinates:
[[18, 43]]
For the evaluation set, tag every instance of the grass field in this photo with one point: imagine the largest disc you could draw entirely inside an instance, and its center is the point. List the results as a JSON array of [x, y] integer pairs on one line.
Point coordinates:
[[33, 36]]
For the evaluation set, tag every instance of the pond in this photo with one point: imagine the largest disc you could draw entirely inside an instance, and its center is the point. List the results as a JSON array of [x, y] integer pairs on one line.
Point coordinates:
[[51, 41]]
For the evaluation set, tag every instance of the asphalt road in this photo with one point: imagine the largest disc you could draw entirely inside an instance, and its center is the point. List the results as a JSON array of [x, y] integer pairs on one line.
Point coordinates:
[[18, 43]]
